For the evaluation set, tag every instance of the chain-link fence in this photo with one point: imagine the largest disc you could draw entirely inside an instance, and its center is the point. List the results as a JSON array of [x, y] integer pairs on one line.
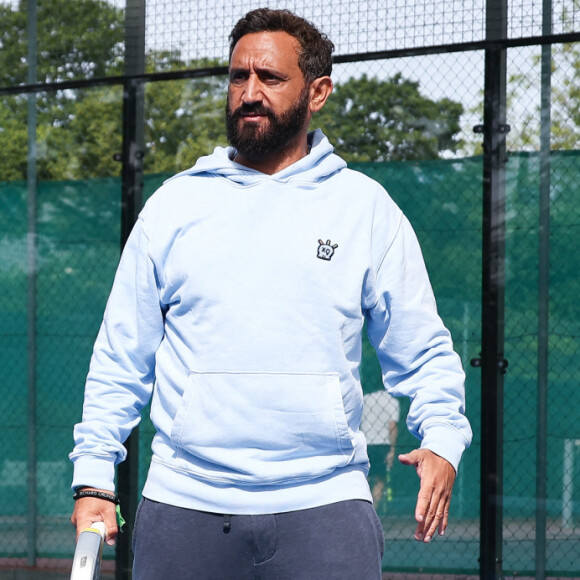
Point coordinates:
[[410, 86]]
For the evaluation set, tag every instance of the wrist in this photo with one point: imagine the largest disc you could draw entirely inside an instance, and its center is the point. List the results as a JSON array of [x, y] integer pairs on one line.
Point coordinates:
[[84, 492]]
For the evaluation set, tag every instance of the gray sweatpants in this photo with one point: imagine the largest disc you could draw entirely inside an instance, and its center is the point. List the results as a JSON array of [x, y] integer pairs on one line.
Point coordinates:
[[340, 541]]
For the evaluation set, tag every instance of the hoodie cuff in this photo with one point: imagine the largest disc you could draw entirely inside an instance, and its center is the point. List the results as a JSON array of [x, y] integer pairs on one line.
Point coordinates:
[[445, 441], [96, 472]]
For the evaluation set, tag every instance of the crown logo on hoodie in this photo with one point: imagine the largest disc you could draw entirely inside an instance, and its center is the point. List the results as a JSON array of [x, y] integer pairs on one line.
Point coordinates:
[[326, 250]]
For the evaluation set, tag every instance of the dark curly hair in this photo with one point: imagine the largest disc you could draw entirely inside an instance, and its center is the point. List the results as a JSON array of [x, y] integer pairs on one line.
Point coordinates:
[[315, 57]]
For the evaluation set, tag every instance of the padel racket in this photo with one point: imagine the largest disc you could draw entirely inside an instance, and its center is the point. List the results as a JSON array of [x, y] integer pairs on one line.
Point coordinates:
[[88, 553]]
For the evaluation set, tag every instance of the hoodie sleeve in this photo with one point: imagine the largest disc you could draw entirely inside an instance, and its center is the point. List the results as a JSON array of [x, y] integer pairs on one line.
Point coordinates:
[[121, 374], [414, 348]]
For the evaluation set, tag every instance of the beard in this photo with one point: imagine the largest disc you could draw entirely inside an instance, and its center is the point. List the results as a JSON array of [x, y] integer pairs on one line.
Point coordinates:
[[257, 142]]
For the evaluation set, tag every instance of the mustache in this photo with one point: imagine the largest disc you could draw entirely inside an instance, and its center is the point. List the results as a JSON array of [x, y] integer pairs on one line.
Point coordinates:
[[254, 109]]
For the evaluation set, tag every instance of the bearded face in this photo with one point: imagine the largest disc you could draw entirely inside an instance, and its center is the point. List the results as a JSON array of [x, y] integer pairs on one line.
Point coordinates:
[[258, 140]]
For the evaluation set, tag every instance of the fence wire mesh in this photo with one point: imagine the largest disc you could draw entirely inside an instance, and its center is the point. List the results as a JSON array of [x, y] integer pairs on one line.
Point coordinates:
[[412, 130]]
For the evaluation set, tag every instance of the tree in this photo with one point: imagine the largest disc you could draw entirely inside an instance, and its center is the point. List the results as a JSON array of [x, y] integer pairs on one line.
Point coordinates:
[[13, 143], [79, 132], [184, 120], [565, 122], [76, 40], [565, 118], [372, 120], [524, 102], [524, 94]]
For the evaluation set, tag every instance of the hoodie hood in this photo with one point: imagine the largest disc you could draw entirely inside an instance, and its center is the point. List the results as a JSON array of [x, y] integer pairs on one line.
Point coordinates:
[[317, 166]]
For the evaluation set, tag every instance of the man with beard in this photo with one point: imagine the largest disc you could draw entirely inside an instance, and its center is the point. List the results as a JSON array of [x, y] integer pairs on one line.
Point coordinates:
[[237, 309]]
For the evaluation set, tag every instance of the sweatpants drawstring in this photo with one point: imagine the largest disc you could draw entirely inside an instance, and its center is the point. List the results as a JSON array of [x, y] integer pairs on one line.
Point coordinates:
[[227, 524]]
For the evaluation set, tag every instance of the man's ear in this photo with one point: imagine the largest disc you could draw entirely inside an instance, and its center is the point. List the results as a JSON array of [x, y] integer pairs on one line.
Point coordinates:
[[320, 90]]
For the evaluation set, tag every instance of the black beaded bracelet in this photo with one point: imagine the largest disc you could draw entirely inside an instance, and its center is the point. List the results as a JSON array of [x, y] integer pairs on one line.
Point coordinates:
[[98, 494]]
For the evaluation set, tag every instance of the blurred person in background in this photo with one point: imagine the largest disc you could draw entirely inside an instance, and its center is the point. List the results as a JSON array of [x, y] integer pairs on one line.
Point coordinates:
[[380, 427]]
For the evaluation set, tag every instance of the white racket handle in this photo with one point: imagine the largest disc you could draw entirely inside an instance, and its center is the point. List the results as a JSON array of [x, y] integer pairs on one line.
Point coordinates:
[[99, 526], [87, 558]]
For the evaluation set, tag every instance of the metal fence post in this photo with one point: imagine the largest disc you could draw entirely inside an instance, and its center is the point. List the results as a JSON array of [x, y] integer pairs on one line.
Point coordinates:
[[131, 201], [492, 357], [32, 183], [543, 296]]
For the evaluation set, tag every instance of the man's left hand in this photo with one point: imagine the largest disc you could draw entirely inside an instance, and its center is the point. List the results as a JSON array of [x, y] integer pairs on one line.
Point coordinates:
[[437, 476]]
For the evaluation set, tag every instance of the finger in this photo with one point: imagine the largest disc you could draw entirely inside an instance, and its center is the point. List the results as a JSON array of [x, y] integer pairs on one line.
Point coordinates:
[[83, 522], [422, 514], [432, 522], [109, 518], [428, 509], [419, 533], [406, 459], [111, 532], [437, 516], [422, 506], [444, 521], [90, 510]]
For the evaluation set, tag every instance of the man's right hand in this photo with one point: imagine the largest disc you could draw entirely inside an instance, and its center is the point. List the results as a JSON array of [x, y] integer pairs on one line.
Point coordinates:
[[92, 509]]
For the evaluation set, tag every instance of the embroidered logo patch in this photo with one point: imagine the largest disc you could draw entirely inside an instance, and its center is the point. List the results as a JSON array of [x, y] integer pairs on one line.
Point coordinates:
[[325, 250]]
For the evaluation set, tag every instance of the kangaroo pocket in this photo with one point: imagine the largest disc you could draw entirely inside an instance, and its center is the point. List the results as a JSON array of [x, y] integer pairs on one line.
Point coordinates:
[[262, 428]]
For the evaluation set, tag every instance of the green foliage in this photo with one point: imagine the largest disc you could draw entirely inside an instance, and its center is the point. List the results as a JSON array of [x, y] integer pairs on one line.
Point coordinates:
[[13, 143], [566, 98], [13, 68], [524, 101], [372, 120], [79, 132], [81, 39], [83, 145], [75, 40], [184, 120]]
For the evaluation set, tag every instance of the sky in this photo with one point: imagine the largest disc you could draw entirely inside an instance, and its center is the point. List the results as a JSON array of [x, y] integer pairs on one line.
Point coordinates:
[[353, 26], [201, 28]]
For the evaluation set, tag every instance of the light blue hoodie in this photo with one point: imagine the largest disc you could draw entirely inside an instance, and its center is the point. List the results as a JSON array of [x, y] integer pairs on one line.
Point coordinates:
[[238, 307]]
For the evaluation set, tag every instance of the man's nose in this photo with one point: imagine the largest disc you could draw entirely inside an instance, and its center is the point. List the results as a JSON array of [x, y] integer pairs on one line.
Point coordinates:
[[252, 90]]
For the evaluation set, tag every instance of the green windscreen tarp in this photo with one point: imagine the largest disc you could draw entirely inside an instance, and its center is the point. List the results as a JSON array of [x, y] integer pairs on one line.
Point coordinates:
[[55, 281]]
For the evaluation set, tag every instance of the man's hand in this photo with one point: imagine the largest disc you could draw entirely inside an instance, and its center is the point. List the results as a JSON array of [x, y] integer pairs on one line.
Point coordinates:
[[437, 476], [92, 509]]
